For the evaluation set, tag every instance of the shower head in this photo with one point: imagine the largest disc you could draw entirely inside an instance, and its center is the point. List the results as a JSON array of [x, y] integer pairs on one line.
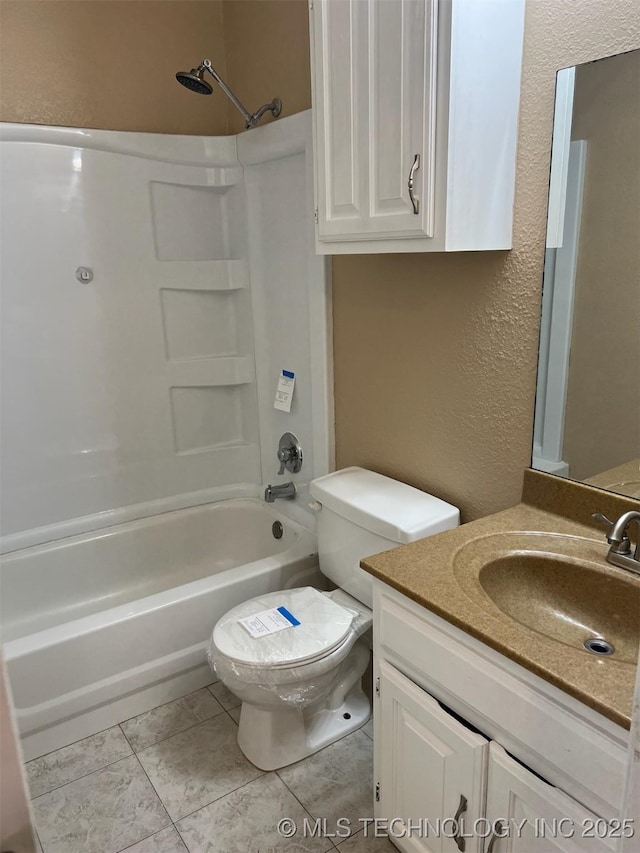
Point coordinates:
[[193, 80]]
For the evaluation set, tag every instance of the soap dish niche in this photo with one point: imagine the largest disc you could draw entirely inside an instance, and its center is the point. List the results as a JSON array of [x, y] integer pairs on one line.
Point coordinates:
[[199, 323], [192, 223], [207, 417]]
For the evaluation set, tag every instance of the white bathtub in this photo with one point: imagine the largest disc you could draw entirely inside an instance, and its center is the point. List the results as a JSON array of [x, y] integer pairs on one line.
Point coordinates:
[[103, 626]]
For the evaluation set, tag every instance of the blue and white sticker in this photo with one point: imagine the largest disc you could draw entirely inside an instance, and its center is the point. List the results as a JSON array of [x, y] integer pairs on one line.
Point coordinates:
[[284, 391], [269, 622]]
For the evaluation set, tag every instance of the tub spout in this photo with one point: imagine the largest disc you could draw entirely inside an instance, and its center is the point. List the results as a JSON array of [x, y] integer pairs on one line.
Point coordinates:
[[272, 493]]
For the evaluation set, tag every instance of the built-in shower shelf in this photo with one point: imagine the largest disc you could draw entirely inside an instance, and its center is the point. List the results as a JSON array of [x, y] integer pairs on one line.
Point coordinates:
[[205, 229], [207, 372], [226, 274], [209, 410]]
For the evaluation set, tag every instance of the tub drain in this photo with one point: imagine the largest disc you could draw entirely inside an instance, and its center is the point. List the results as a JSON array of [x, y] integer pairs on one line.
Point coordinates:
[[598, 646]]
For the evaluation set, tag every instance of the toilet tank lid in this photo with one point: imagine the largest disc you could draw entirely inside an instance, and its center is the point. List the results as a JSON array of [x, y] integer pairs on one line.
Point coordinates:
[[391, 509]]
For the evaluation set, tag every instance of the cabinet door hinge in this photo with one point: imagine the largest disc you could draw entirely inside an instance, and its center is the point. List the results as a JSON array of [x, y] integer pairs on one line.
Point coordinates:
[[311, 5], [315, 215], [377, 686], [377, 792]]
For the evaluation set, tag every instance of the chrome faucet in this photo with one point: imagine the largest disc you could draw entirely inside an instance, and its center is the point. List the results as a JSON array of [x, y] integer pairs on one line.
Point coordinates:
[[286, 490], [619, 553]]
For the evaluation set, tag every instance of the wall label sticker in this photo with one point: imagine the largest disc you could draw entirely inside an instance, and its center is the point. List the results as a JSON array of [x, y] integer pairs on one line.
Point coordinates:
[[284, 391]]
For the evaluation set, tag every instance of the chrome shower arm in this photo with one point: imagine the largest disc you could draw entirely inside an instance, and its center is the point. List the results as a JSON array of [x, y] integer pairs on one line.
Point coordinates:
[[206, 64], [250, 120], [275, 106]]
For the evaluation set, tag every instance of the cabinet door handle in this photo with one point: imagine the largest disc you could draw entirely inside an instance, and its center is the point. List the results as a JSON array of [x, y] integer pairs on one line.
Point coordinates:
[[415, 201], [461, 810], [497, 833]]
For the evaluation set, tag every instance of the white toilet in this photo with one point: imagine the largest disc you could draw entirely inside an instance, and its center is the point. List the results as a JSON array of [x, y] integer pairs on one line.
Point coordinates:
[[300, 685]]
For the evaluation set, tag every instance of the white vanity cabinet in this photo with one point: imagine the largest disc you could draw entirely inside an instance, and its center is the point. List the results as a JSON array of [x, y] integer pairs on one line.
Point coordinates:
[[415, 106], [461, 731], [430, 766], [538, 817]]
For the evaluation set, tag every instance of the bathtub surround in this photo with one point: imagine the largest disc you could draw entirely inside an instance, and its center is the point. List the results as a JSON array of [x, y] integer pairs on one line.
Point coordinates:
[[138, 421], [191, 787], [151, 387]]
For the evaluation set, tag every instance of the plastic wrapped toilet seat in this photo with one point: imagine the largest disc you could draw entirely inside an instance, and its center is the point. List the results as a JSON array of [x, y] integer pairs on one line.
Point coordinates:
[[319, 627], [298, 683]]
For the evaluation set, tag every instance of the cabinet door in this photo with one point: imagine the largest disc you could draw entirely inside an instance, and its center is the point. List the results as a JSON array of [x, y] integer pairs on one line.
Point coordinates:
[[535, 817], [427, 765], [402, 99], [374, 97], [339, 49]]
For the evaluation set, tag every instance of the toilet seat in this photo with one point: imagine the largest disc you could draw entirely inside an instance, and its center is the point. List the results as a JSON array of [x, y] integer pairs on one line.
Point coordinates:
[[324, 627]]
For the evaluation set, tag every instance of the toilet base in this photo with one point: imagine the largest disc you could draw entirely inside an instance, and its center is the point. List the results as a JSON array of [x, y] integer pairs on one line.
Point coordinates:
[[271, 739]]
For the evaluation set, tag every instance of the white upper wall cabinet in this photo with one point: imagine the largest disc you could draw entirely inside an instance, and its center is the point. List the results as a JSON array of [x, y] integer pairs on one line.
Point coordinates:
[[415, 123]]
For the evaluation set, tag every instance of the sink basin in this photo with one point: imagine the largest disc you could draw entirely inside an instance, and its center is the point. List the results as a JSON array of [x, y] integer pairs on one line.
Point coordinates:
[[559, 587]]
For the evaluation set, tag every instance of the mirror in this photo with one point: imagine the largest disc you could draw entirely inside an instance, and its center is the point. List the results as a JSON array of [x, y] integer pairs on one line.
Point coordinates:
[[587, 417]]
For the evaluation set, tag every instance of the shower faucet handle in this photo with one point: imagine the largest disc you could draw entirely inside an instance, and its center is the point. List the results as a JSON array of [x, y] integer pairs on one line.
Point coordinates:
[[284, 454], [289, 453]]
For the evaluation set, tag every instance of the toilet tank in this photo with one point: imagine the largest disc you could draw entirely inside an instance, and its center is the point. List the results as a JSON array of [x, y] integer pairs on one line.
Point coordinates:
[[362, 513]]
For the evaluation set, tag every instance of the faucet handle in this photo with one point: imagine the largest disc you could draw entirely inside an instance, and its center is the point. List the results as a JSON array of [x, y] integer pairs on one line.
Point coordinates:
[[621, 545], [602, 518], [284, 455], [289, 453]]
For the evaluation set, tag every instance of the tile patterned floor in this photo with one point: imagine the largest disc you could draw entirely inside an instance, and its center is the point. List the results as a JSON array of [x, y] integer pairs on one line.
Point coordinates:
[[173, 780]]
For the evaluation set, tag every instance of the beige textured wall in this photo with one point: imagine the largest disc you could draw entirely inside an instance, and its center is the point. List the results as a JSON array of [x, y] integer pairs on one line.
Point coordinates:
[[267, 55], [110, 64], [602, 425], [435, 356]]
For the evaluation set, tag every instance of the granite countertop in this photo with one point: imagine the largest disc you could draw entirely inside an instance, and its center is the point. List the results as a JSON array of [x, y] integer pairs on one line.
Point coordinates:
[[427, 572]]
